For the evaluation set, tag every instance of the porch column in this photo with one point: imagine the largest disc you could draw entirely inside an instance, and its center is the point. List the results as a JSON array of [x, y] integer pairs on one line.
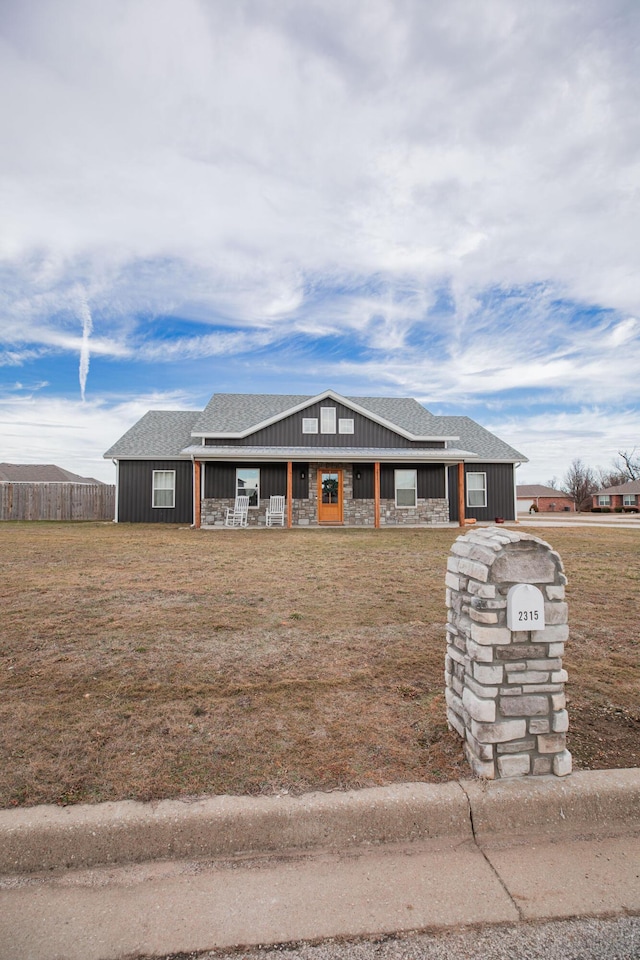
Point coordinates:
[[376, 494], [461, 517], [197, 516], [289, 494]]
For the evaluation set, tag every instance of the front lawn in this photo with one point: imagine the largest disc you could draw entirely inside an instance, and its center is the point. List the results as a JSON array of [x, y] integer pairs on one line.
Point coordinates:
[[152, 661]]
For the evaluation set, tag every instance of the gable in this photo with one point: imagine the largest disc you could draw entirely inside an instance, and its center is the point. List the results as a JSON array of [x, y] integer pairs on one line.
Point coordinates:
[[352, 429], [235, 416]]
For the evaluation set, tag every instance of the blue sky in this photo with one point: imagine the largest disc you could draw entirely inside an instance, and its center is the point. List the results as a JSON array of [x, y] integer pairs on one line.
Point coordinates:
[[428, 198]]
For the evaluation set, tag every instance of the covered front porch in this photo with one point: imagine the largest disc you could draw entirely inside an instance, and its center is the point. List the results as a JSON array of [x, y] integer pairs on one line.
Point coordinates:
[[331, 492]]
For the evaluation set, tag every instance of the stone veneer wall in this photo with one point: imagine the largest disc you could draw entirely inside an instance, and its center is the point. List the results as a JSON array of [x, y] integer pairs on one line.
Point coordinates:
[[357, 513], [505, 689]]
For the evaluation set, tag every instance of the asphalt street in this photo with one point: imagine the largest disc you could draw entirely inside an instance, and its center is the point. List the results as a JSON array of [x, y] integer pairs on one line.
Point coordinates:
[[614, 939]]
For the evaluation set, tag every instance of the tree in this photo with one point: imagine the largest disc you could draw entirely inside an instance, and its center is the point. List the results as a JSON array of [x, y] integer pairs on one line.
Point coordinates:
[[628, 463], [580, 484], [612, 477]]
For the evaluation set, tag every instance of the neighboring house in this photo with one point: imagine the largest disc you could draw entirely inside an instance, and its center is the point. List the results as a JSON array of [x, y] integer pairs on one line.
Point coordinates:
[[39, 473], [535, 496], [357, 461], [625, 497]]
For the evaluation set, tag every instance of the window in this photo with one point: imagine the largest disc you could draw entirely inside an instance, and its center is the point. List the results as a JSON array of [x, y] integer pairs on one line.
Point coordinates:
[[248, 484], [476, 489], [629, 500], [309, 424], [327, 419], [164, 488], [345, 426], [406, 484], [604, 501]]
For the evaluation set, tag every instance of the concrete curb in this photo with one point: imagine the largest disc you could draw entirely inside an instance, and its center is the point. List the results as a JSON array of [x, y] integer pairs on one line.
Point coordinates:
[[589, 804]]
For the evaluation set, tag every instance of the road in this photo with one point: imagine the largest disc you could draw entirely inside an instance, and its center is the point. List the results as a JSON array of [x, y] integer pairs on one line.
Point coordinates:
[[613, 939]]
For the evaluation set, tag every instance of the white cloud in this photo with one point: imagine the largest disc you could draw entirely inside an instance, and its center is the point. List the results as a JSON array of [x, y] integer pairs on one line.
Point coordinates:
[[282, 173], [38, 428], [552, 441]]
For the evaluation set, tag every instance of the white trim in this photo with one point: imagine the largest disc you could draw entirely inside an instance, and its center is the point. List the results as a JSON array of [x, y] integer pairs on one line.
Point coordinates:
[[310, 422], [328, 420], [257, 489], [476, 473], [405, 506], [335, 454], [346, 425], [163, 506], [117, 496], [310, 401], [515, 491]]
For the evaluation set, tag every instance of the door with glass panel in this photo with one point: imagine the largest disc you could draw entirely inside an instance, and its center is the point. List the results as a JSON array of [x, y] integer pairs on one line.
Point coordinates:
[[329, 496]]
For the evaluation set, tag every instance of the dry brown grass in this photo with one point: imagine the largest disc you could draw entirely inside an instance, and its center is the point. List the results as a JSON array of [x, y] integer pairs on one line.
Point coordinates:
[[153, 661]]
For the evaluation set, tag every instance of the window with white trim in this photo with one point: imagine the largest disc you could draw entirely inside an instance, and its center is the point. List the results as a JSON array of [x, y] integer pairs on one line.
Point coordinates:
[[604, 500], [406, 486], [164, 488], [248, 484], [629, 500], [327, 419], [476, 489], [309, 424], [345, 425]]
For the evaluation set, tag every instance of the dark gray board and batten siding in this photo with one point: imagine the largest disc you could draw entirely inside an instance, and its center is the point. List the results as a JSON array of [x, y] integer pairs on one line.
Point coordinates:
[[220, 480], [500, 495], [431, 480], [288, 433], [135, 494]]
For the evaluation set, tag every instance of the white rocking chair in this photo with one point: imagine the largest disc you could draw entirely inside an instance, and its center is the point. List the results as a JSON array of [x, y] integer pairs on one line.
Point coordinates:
[[237, 514], [275, 511]]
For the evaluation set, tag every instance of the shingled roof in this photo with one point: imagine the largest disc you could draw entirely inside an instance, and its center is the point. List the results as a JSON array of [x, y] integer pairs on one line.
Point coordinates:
[[173, 433], [40, 473], [160, 434], [631, 486], [527, 490]]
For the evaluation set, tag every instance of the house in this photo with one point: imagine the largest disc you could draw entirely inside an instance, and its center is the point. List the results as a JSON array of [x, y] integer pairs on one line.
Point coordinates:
[[534, 496], [40, 473], [625, 498], [355, 461]]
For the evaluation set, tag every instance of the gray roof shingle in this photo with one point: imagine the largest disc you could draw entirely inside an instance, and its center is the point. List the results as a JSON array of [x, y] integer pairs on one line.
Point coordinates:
[[159, 434], [631, 486], [40, 473], [474, 437], [171, 433], [537, 490]]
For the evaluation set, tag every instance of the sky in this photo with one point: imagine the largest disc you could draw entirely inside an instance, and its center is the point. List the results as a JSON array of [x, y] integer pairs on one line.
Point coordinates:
[[427, 198]]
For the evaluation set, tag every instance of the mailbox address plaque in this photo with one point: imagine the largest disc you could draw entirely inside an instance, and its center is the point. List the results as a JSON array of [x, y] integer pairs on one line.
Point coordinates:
[[525, 608]]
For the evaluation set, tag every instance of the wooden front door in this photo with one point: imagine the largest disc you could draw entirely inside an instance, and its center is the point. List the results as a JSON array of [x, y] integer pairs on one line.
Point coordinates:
[[329, 496]]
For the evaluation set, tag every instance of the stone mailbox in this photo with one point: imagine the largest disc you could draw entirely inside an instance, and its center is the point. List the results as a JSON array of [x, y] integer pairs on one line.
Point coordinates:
[[506, 631]]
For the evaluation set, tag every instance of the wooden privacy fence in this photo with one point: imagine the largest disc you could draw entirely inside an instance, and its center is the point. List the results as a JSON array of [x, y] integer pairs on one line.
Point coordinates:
[[57, 501]]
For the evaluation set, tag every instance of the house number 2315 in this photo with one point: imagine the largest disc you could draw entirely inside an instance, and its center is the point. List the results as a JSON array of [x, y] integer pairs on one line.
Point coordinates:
[[525, 607], [526, 616]]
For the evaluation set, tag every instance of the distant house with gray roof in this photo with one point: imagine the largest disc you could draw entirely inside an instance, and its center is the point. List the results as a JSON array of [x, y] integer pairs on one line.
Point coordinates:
[[355, 461], [40, 473], [538, 498], [623, 498]]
